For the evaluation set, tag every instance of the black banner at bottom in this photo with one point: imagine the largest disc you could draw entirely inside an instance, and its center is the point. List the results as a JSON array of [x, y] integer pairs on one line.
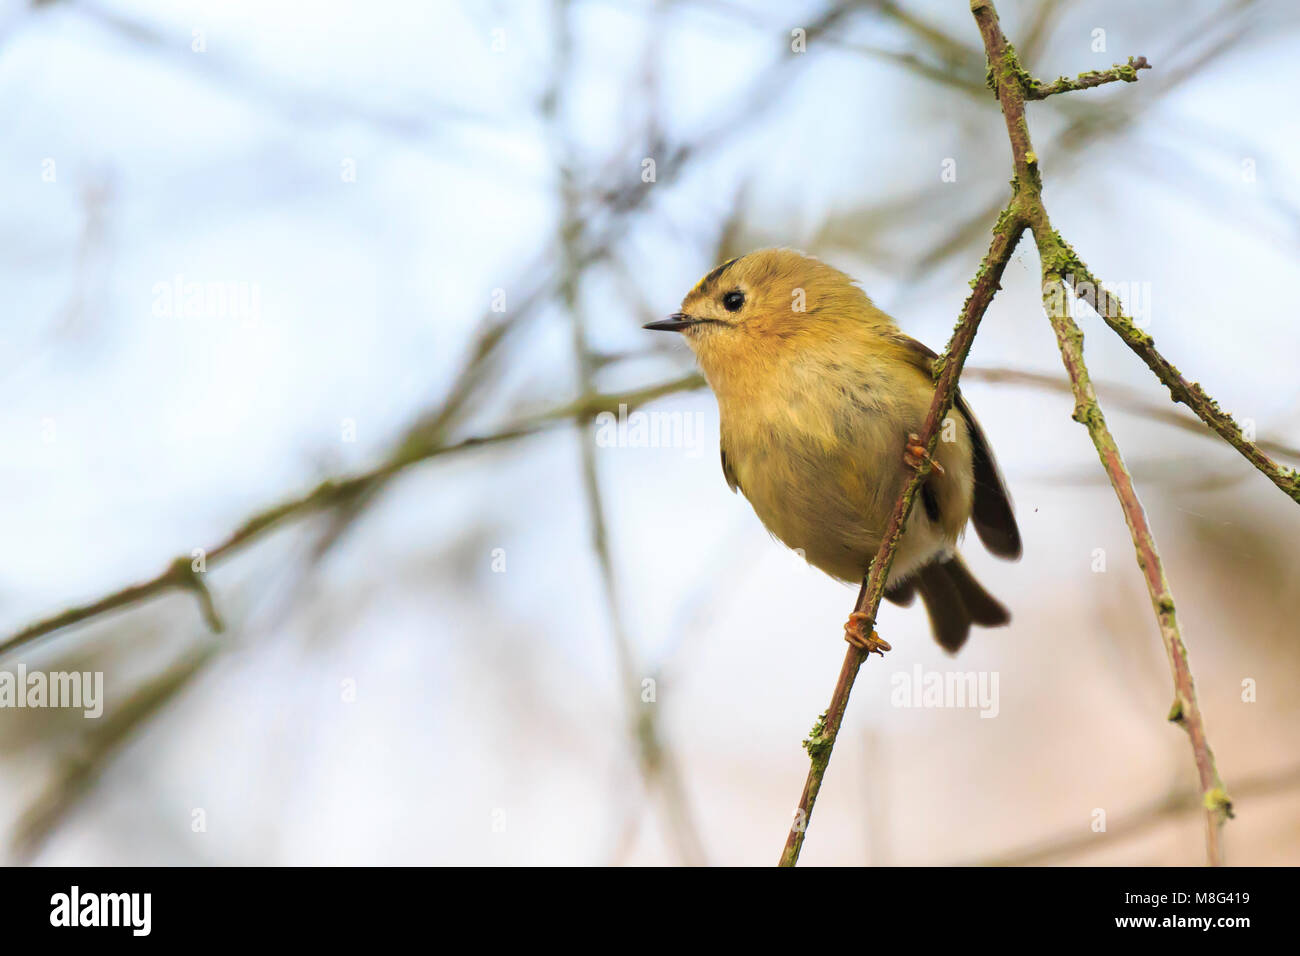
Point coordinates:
[[929, 905]]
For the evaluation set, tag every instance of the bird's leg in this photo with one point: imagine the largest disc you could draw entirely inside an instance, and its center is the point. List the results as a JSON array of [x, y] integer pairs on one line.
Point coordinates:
[[870, 641], [914, 454]]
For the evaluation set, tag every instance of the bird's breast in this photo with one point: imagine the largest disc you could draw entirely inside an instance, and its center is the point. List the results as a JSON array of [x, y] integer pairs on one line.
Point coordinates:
[[817, 457]]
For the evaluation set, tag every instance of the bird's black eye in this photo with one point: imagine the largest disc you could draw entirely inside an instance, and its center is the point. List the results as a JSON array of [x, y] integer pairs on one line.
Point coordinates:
[[732, 301]]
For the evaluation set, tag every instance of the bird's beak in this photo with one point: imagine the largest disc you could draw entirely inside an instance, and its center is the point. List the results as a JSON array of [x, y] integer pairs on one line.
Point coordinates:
[[677, 322]]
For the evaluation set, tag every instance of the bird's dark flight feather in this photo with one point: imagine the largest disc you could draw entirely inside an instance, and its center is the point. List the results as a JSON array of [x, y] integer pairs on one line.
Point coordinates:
[[992, 516]]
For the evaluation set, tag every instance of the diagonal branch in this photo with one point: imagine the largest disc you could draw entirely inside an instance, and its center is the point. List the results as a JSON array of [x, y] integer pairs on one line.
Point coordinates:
[[1068, 845], [1123, 396], [1087, 411], [79, 772], [1108, 306], [180, 574], [1006, 234]]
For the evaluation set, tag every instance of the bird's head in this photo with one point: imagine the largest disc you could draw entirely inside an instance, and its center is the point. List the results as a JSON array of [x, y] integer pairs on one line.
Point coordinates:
[[755, 311]]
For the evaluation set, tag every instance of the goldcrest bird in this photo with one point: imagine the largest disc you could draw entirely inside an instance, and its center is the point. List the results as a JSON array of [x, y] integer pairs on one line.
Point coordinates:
[[820, 399]]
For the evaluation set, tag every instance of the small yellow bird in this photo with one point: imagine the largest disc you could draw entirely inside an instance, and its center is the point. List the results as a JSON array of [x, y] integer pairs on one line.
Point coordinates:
[[820, 398]]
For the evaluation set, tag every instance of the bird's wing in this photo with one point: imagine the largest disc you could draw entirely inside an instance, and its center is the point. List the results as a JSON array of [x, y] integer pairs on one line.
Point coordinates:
[[994, 519]]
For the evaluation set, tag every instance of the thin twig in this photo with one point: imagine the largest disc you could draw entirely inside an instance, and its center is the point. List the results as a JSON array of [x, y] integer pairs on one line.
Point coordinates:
[[1126, 72], [1125, 397], [1139, 821], [822, 740], [78, 773], [1108, 306]]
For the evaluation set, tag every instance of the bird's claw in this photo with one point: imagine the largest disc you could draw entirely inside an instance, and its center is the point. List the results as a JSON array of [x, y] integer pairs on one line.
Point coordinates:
[[914, 454], [860, 633]]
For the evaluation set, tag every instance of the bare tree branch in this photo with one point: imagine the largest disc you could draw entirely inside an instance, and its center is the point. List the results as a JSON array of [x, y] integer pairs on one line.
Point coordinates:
[[1124, 397], [1008, 78], [1139, 822], [1087, 411], [80, 771], [180, 574], [1108, 306]]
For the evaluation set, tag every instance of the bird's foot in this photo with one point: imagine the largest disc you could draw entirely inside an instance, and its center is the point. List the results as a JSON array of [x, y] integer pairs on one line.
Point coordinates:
[[861, 634], [914, 454]]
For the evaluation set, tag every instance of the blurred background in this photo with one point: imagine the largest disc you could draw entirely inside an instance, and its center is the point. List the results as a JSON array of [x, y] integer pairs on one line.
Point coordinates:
[[327, 300]]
